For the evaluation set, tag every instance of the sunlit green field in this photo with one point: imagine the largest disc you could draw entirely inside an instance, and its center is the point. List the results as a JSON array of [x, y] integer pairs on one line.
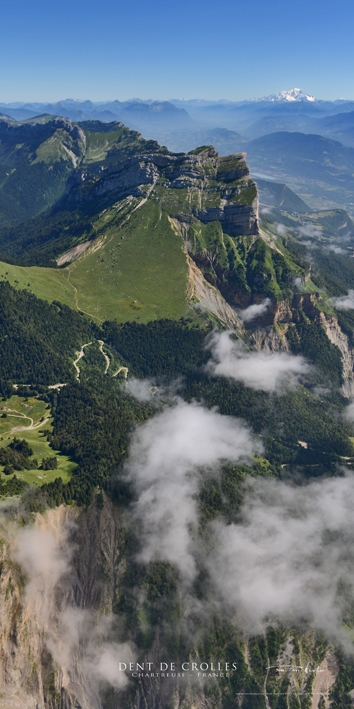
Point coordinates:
[[17, 416], [137, 271]]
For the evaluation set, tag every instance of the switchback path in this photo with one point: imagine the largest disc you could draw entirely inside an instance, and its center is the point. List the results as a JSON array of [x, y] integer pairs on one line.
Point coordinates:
[[32, 426], [79, 356], [122, 369], [107, 359]]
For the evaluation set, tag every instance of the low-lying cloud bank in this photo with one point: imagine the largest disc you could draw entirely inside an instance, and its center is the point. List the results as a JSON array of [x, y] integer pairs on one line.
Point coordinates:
[[344, 302], [291, 557], [168, 456], [269, 372]]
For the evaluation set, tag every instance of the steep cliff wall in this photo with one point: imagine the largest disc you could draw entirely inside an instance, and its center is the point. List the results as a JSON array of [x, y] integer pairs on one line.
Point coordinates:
[[60, 643], [218, 188], [58, 578], [269, 331]]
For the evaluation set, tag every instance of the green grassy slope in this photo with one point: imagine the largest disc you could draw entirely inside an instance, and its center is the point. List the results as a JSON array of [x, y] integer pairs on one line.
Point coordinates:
[[36, 160], [138, 273], [16, 409], [46, 283]]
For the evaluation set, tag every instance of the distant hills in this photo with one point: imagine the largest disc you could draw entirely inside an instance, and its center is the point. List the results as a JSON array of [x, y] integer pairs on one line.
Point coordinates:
[[135, 113], [293, 110], [283, 134], [319, 169]]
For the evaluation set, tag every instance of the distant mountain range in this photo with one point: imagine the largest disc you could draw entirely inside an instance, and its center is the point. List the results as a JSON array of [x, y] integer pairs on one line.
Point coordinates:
[[292, 110], [316, 136], [292, 95]]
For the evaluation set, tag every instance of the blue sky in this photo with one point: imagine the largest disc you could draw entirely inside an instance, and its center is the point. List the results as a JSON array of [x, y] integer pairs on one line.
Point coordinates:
[[154, 49]]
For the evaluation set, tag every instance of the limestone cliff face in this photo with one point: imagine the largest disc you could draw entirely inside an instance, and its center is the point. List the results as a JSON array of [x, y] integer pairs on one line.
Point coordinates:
[[59, 578], [340, 339], [269, 333], [236, 219], [42, 660], [217, 188], [110, 183]]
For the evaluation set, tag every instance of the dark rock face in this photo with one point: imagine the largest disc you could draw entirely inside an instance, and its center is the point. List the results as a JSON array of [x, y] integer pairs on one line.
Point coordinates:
[[111, 183], [235, 219], [19, 140], [221, 182]]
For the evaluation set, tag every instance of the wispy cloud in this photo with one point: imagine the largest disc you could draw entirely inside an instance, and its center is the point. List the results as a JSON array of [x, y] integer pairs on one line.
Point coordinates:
[[167, 456], [148, 390], [349, 412], [344, 302], [281, 229], [336, 249], [265, 210], [258, 370], [254, 311], [290, 558], [78, 640], [309, 230]]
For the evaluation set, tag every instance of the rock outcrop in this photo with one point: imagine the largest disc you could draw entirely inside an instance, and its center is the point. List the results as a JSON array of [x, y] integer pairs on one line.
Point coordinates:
[[336, 335], [220, 188], [269, 332], [59, 579]]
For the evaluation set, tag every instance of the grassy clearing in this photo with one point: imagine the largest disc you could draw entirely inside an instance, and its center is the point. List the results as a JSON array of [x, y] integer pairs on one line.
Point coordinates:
[[46, 283], [16, 409], [98, 144], [139, 273]]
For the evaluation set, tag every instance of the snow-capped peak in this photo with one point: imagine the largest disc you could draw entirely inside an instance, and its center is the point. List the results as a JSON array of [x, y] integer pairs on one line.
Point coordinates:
[[287, 96]]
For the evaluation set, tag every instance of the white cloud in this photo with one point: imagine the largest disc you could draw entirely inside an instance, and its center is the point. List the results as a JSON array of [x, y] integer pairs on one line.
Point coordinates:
[[291, 558], [265, 210], [310, 230], [141, 389], [349, 412], [282, 229], [166, 458], [344, 302], [254, 311], [258, 370], [336, 249], [146, 389], [76, 639]]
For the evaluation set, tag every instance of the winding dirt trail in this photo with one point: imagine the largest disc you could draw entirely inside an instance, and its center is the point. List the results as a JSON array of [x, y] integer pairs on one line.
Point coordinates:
[[32, 426], [70, 269], [79, 356], [122, 369], [19, 415], [107, 359]]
